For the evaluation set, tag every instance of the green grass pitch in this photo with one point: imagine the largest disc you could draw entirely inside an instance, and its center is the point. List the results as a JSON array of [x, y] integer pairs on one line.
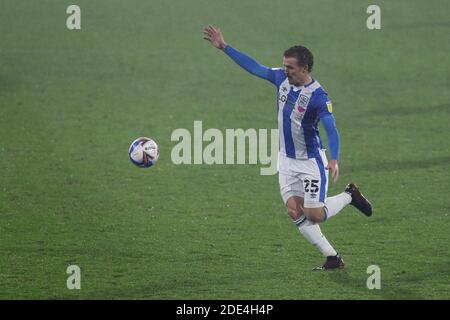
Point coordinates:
[[72, 101]]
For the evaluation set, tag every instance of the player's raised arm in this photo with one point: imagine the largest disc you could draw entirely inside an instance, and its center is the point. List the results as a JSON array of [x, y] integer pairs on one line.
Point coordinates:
[[215, 36]]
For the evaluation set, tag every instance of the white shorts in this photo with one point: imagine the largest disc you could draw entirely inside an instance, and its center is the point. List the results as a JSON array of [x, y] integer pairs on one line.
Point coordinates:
[[305, 178]]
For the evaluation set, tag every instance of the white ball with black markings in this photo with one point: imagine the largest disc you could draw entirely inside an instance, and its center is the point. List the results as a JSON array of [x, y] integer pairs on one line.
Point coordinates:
[[143, 152]]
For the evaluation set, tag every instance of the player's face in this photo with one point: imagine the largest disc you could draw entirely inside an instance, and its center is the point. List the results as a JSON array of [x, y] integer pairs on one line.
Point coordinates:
[[294, 72]]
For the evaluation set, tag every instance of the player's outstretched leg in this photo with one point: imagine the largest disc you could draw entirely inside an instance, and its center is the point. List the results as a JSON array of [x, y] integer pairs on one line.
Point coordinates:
[[332, 262], [358, 200]]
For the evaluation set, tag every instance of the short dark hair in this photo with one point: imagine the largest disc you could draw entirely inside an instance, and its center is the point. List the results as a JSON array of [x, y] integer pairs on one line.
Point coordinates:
[[303, 55]]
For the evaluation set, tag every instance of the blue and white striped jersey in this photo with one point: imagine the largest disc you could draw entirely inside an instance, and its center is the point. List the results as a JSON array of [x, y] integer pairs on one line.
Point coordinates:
[[299, 111]]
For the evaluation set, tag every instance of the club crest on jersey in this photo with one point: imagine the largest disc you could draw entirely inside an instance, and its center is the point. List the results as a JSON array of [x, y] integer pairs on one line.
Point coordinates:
[[303, 100], [302, 103]]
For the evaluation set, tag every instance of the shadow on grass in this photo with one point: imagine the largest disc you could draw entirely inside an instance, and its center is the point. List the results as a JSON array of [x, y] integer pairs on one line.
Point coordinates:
[[358, 285]]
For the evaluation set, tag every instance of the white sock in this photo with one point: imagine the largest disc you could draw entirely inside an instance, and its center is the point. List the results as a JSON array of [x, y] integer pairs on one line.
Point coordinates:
[[311, 231], [335, 204]]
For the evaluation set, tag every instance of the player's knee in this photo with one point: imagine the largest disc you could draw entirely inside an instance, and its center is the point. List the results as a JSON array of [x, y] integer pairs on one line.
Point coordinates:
[[294, 207], [294, 213]]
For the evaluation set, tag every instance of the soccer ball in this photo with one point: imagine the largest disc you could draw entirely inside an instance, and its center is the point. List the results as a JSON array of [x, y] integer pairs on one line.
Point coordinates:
[[143, 152]]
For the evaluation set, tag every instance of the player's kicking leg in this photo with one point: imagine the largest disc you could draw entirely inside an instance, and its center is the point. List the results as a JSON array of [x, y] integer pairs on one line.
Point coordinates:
[[321, 211], [318, 208], [292, 191], [318, 211], [303, 187]]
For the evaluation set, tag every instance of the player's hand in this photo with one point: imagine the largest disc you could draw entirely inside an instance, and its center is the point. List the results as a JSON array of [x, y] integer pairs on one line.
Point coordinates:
[[214, 36], [334, 169]]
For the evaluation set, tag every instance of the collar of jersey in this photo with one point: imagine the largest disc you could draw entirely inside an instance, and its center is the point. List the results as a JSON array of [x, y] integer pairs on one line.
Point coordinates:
[[295, 88]]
